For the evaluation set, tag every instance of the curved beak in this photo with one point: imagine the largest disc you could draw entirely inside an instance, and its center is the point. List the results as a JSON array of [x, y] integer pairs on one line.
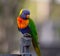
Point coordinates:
[[27, 16]]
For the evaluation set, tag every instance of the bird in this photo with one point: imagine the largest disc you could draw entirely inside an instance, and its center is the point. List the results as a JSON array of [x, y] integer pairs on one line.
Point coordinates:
[[26, 25]]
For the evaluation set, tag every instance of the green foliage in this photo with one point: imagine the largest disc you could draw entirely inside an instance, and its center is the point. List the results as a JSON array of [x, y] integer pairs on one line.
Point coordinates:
[[55, 14], [1, 9]]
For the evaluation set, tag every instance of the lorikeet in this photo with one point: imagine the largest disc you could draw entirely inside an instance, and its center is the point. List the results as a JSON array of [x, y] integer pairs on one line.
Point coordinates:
[[26, 25]]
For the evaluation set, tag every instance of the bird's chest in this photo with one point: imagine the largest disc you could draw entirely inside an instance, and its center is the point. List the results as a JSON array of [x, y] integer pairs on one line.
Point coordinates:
[[23, 23]]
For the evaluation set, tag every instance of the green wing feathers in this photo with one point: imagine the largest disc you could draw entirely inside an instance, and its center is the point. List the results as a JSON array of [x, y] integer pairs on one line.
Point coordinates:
[[33, 29], [34, 36]]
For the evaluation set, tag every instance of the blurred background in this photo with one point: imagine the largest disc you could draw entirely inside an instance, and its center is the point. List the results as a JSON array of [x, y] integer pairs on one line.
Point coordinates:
[[45, 14]]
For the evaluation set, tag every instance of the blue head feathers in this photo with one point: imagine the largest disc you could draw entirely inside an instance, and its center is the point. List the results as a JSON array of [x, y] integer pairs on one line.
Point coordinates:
[[24, 13]]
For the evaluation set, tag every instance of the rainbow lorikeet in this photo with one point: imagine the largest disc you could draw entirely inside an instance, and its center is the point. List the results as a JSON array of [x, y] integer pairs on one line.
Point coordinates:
[[26, 25]]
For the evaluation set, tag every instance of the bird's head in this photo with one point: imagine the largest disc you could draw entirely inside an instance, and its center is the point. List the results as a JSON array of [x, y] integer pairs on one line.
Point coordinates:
[[24, 14]]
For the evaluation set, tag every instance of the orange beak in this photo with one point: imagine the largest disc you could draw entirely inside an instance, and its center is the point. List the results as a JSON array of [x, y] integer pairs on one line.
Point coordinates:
[[27, 16]]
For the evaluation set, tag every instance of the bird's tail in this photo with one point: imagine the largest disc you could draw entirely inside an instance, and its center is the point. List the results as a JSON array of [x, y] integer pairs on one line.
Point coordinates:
[[37, 48], [37, 51]]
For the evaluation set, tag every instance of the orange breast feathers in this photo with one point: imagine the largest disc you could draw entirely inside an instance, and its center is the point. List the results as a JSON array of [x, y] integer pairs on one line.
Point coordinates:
[[22, 23]]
